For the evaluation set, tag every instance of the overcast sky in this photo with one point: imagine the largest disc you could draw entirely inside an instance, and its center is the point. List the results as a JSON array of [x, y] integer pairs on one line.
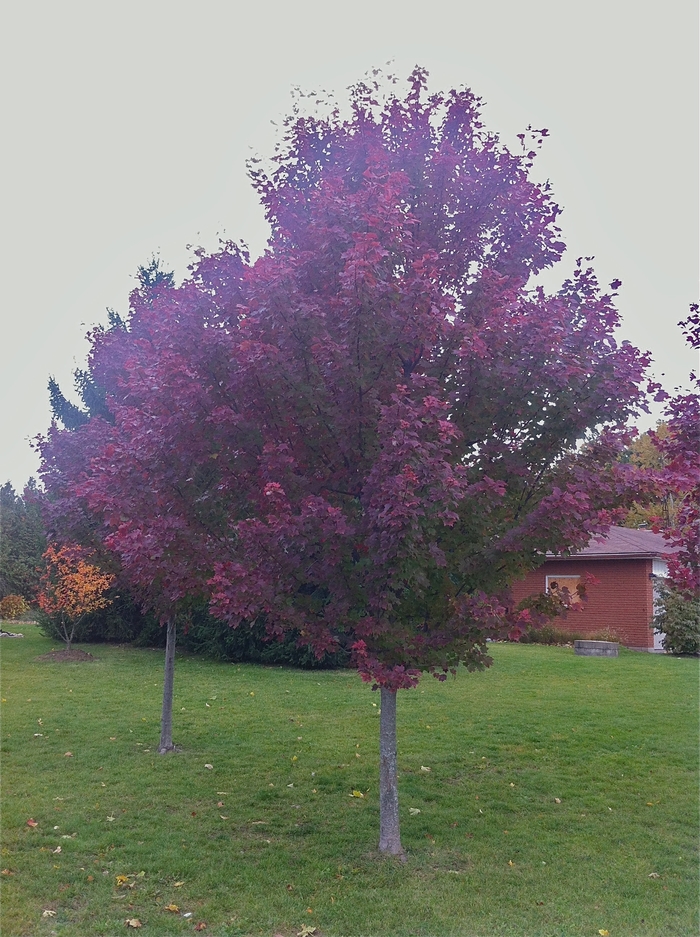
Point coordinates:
[[126, 128]]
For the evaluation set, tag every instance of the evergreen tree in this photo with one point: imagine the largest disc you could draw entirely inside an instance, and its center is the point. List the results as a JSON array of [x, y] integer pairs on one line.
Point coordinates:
[[22, 541], [151, 277]]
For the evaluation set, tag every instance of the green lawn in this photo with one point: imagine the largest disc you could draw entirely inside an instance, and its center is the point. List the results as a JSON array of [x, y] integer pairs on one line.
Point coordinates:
[[561, 798]]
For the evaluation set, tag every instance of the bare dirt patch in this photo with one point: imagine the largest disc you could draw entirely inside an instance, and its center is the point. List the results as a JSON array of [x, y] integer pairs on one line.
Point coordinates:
[[73, 655]]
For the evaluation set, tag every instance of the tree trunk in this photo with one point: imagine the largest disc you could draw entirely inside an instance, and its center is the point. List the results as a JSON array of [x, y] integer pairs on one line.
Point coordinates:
[[68, 632], [389, 832], [166, 721]]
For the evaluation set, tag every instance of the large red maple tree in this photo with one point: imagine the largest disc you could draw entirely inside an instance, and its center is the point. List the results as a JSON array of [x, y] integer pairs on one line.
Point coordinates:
[[369, 432]]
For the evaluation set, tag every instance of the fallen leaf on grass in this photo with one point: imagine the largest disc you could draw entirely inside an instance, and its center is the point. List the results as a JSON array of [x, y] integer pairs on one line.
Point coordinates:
[[6, 872], [557, 800], [220, 803], [172, 907], [122, 880], [357, 794], [178, 884], [306, 931], [511, 863], [110, 818], [68, 755], [48, 913], [56, 850], [210, 767], [413, 811], [31, 822], [654, 875], [200, 926], [224, 818], [604, 933], [423, 768], [133, 922]]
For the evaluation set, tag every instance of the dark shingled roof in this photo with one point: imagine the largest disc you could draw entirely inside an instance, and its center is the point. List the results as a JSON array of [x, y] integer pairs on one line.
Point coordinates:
[[623, 541]]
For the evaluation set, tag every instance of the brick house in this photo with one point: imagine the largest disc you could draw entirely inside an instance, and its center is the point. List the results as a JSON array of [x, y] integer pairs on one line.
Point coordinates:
[[625, 563]]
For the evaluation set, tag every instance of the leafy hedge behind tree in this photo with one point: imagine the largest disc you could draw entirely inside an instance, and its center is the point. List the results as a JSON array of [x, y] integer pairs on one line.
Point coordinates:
[[123, 623]]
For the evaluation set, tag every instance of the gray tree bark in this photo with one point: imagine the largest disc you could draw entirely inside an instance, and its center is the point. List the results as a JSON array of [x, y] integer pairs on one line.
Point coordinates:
[[389, 831], [166, 720]]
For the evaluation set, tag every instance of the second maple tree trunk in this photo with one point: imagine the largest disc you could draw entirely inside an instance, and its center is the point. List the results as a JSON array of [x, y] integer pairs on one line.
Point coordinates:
[[389, 831], [166, 721]]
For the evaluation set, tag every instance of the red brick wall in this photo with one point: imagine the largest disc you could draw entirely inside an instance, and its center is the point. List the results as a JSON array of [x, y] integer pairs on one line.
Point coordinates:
[[622, 602]]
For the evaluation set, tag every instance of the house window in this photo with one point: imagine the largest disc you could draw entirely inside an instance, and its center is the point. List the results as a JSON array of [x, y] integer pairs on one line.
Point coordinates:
[[565, 588]]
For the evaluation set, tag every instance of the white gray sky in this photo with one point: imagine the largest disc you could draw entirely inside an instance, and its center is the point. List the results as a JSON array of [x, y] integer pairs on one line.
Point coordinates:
[[126, 127]]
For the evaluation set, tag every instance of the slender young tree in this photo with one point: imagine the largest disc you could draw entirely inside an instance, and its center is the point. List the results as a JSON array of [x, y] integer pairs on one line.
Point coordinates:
[[70, 588]]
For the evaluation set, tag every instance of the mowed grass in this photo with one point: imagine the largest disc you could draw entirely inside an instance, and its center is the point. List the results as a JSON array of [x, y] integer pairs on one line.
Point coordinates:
[[270, 838]]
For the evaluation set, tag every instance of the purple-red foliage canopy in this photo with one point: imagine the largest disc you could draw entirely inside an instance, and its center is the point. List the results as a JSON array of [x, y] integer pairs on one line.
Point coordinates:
[[681, 475], [365, 434]]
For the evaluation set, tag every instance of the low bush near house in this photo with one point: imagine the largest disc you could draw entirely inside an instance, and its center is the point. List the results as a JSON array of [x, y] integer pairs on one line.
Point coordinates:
[[548, 634], [605, 634], [678, 617]]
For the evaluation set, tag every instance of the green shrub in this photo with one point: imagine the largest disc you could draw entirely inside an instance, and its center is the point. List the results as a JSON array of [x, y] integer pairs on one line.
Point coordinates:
[[123, 622], [678, 617], [213, 638], [12, 607]]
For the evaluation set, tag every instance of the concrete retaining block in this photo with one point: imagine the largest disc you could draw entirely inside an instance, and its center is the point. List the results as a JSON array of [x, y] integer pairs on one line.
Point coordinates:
[[596, 648]]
